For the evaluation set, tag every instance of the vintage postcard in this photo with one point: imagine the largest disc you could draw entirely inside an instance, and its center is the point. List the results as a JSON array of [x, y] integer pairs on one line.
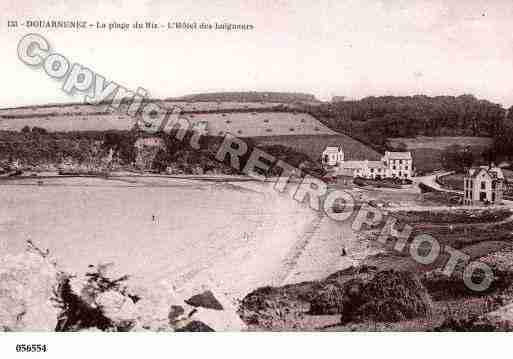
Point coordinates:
[[242, 166]]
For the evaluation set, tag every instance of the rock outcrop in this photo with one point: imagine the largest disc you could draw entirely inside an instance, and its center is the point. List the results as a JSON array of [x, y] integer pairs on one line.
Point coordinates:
[[35, 295], [357, 294], [27, 284]]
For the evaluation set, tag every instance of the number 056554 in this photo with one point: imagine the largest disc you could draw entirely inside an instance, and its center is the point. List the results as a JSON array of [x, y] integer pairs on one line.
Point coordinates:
[[31, 348]]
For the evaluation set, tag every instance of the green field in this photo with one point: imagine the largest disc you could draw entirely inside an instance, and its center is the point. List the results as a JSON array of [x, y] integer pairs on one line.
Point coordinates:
[[427, 151], [242, 120], [297, 130], [313, 145]]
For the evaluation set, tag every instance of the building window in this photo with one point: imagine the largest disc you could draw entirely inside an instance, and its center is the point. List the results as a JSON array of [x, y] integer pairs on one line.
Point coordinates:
[[493, 185], [483, 185], [400, 162], [482, 196], [394, 167]]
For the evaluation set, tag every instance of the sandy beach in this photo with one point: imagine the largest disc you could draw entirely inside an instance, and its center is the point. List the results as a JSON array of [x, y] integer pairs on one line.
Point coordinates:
[[178, 234]]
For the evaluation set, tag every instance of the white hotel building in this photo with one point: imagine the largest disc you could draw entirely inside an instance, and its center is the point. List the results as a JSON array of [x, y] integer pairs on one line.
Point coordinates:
[[392, 165]]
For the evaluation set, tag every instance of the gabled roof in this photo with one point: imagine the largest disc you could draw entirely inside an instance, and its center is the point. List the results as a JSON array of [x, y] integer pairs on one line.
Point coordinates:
[[475, 172], [376, 164], [331, 149], [362, 164], [399, 155], [494, 172]]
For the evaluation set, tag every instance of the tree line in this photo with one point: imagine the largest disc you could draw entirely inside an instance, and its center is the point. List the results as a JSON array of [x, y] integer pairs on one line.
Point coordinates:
[[374, 119]]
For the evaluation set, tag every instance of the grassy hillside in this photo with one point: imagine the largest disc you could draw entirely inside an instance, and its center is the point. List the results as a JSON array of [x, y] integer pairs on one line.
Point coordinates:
[[427, 151], [253, 96], [198, 106], [439, 142], [254, 124], [268, 118], [240, 122], [70, 122], [186, 105], [313, 145]]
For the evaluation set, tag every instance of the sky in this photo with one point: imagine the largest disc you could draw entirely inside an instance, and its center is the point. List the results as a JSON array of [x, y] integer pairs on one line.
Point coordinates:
[[344, 47]]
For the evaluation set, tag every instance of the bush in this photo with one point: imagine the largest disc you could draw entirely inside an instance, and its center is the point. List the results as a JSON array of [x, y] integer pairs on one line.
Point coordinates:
[[329, 300], [390, 296]]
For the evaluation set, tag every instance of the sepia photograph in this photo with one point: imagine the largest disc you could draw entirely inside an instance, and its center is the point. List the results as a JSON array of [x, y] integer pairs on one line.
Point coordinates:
[[254, 167]]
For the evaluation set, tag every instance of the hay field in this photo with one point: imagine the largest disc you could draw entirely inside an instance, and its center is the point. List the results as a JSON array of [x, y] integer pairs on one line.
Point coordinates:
[[243, 124], [256, 124], [70, 122]]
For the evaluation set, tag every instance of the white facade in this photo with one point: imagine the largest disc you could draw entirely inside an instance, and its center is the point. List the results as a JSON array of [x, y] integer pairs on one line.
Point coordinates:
[[483, 185], [399, 164], [332, 156], [366, 169], [392, 165]]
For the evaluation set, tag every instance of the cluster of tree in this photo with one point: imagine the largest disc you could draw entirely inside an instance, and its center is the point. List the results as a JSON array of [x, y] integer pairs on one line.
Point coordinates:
[[266, 109], [374, 119], [294, 158], [252, 96], [457, 158], [178, 154], [35, 146], [122, 143], [503, 142], [34, 130]]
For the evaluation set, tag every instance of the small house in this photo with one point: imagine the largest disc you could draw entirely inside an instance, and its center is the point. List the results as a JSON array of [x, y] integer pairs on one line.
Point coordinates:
[[332, 156], [483, 185]]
